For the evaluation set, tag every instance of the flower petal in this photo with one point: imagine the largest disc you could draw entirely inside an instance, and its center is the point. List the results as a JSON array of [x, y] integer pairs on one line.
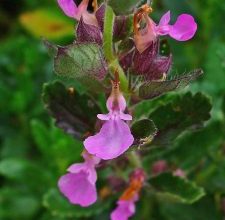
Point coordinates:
[[123, 211], [184, 28], [78, 189], [104, 117], [165, 19], [113, 139], [125, 117], [77, 167], [146, 36], [68, 7]]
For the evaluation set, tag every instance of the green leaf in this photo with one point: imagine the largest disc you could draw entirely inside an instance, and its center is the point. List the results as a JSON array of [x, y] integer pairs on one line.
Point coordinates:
[[81, 61], [191, 148], [41, 135], [143, 108], [47, 23], [52, 141], [22, 170], [14, 168], [215, 64], [223, 106], [74, 113], [14, 204], [59, 206], [124, 6], [143, 129], [149, 90], [183, 112], [206, 208], [176, 188]]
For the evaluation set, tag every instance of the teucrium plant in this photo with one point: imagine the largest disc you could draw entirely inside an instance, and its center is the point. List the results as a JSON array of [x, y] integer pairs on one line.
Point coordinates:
[[119, 55]]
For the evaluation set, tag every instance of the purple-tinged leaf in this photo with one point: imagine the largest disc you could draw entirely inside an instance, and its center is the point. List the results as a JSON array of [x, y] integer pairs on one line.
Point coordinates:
[[152, 89], [88, 33], [159, 67], [100, 14], [68, 108]]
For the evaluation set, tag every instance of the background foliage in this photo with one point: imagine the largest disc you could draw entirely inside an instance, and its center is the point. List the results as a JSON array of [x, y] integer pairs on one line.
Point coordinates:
[[34, 153]]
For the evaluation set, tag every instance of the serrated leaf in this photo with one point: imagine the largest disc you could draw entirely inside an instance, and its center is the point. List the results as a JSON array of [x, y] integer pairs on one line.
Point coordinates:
[[60, 207], [152, 89], [143, 129], [81, 61], [192, 147], [181, 113], [69, 109], [47, 23], [177, 188]]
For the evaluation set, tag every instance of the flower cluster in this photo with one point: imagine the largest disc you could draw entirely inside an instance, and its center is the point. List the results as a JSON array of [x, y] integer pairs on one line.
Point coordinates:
[[115, 137]]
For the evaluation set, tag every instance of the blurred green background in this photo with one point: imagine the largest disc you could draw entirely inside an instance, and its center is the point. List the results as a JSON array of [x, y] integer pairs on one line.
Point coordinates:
[[34, 153]]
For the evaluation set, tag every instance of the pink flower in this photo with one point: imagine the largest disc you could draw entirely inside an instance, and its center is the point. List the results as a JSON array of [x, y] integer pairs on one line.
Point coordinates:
[[78, 186], [126, 204], [124, 210], [115, 136], [76, 12], [183, 29]]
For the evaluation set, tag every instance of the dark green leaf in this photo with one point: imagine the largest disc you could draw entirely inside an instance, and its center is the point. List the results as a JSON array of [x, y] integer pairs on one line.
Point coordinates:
[[191, 148], [176, 188], [206, 208], [181, 113], [143, 129], [74, 113], [59, 206], [149, 90], [14, 204]]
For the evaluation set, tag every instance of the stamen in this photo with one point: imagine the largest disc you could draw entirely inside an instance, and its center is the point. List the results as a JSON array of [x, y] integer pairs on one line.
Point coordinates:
[[115, 89], [138, 16], [116, 79], [95, 5]]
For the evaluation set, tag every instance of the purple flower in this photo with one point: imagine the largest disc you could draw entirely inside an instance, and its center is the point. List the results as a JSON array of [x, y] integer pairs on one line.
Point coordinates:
[[76, 12], [78, 186], [183, 29], [124, 210], [115, 136]]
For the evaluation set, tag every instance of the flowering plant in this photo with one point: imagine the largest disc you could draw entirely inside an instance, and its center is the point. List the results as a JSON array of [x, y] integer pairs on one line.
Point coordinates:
[[118, 61]]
